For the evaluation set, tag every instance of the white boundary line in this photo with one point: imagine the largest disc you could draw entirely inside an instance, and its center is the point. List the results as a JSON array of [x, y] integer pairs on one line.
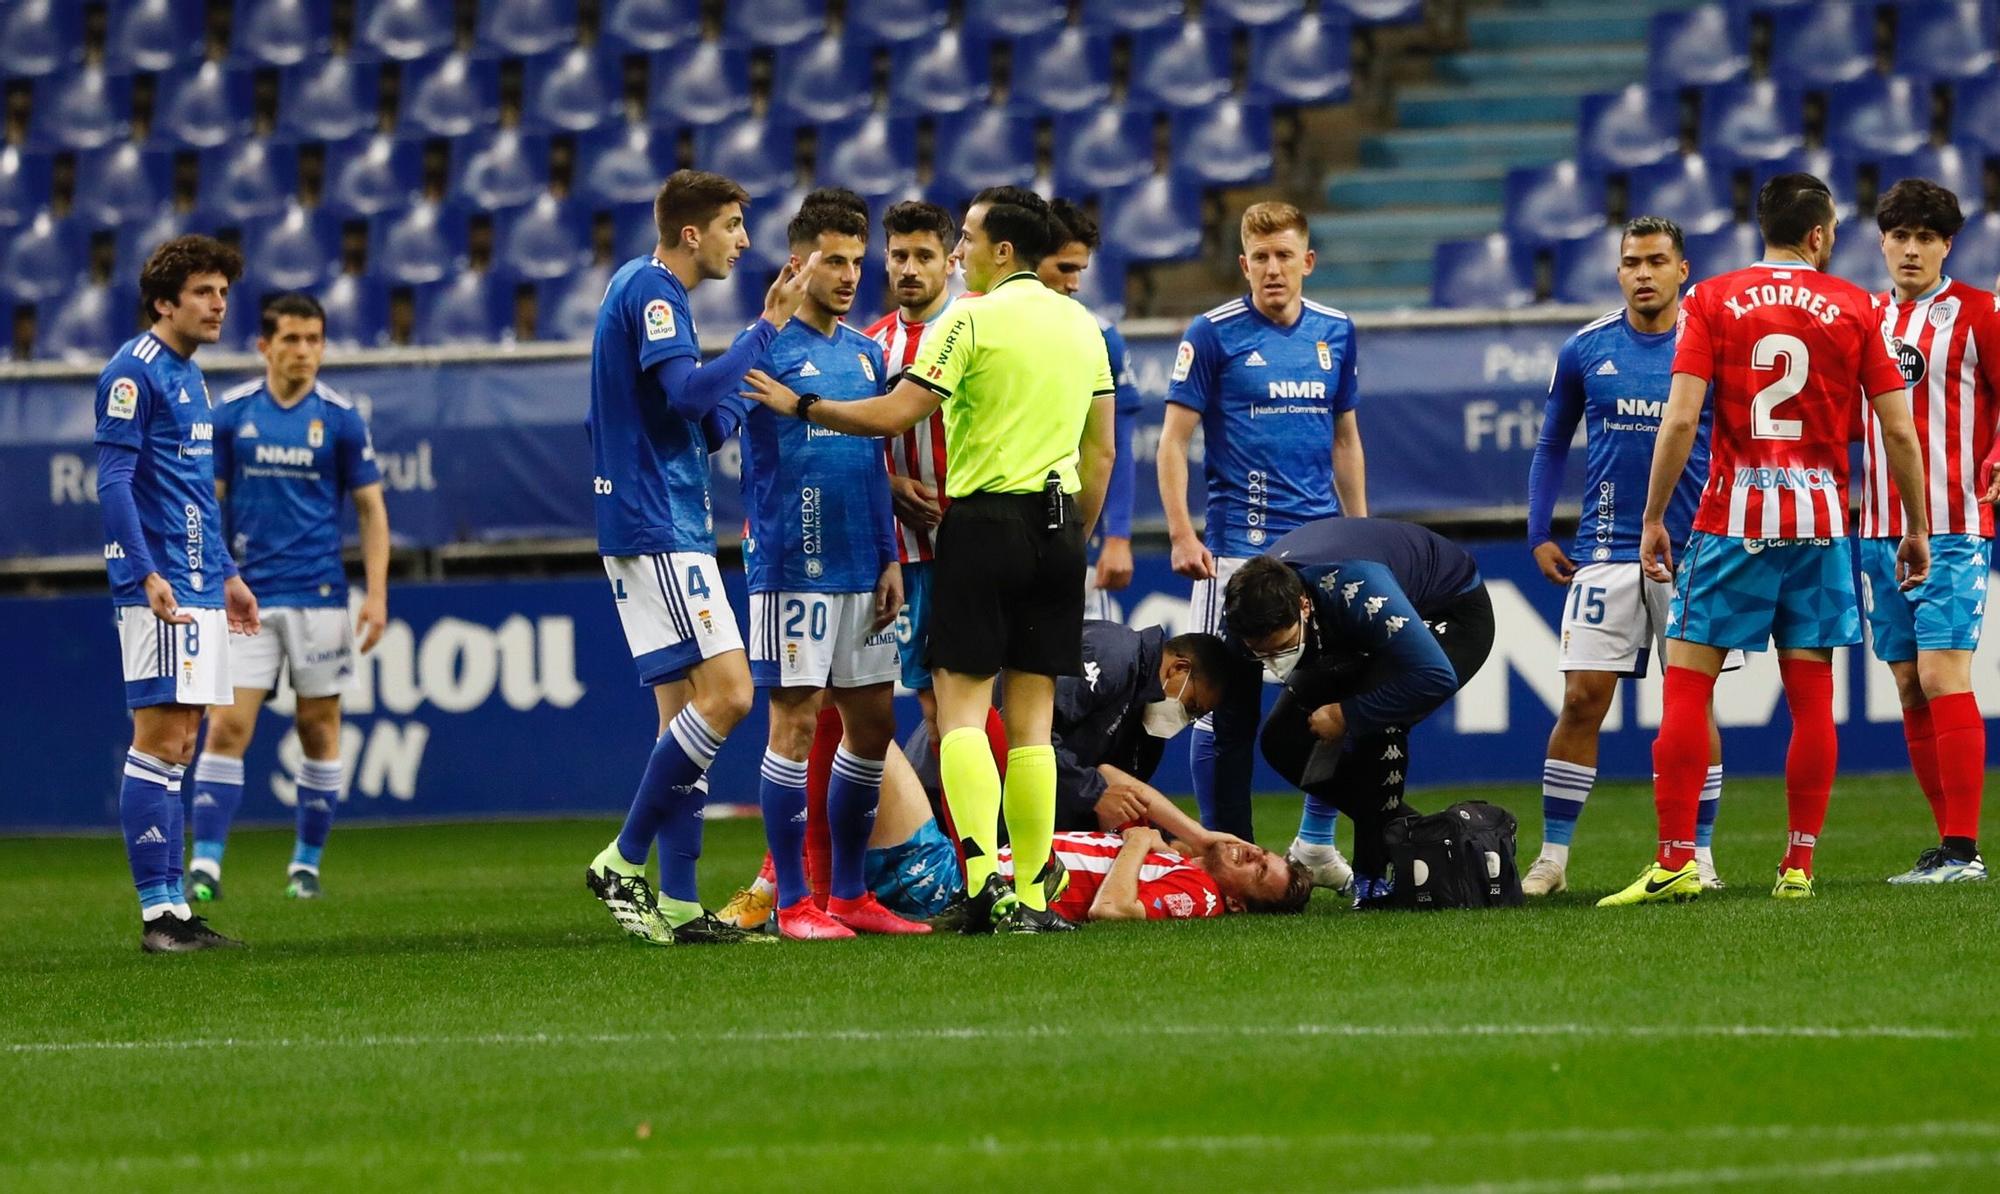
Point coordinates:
[[1828, 1032]]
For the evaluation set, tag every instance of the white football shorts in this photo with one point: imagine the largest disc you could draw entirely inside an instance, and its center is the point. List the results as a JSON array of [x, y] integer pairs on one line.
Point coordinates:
[[315, 644], [674, 611], [819, 640]]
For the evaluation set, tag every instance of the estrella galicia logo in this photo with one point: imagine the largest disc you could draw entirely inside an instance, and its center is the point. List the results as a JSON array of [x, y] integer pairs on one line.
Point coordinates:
[[1909, 361]]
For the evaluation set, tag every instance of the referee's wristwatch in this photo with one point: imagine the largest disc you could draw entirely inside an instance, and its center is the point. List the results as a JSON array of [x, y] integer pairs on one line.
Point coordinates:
[[805, 404]]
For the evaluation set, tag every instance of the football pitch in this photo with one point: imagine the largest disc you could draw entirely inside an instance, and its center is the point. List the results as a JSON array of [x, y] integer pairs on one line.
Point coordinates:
[[459, 1014]]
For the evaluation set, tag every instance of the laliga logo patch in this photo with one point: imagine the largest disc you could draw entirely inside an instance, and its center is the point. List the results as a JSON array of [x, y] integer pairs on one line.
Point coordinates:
[[659, 320], [1183, 361], [1325, 355], [123, 401], [315, 434], [867, 366]]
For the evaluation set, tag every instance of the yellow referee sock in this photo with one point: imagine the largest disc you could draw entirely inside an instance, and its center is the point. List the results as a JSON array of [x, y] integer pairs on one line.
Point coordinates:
[[1031, 818], [972, 790]]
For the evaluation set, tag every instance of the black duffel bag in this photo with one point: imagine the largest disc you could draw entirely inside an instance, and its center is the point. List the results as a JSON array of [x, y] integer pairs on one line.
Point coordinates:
[[1462, 857]]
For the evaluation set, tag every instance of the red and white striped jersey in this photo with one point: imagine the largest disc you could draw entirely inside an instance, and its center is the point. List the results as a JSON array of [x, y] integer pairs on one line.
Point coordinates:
[[1948, 347], [1789, 351], [1170, 886], [918, 453]]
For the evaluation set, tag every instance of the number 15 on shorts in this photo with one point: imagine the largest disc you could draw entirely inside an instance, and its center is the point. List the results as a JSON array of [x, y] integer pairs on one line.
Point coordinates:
[[1586, 604]]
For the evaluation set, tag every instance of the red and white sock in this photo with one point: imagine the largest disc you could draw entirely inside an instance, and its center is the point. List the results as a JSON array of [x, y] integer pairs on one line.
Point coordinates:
[[1680, 763]]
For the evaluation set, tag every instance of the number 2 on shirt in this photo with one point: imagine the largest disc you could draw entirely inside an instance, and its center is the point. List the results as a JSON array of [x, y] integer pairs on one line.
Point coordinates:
[[1765, 354]]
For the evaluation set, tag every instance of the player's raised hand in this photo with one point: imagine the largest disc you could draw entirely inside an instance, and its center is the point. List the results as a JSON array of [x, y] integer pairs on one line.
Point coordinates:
[[371, 621], [916, 503], [1554, 563], [1656, 553], [1913, 561], [762, 388], [239, 607], [160, 596], [1192, 559], [788, 290], [888, 596]]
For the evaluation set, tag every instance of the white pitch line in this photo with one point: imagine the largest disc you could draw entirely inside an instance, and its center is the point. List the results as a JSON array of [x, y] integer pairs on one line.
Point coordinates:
[[1909, 1032], [1786, 1174]]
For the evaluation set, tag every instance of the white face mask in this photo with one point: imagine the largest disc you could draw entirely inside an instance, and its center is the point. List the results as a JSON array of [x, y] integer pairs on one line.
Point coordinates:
[[1165, 718], [1280, 666]]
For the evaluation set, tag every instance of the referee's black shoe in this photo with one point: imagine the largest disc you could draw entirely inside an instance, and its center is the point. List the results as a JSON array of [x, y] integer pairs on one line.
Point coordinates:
[[979, 913], [1023, 919]]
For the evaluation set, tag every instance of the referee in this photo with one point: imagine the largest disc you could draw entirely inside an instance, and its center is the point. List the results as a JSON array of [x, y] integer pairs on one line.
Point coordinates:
[[1026, 387]]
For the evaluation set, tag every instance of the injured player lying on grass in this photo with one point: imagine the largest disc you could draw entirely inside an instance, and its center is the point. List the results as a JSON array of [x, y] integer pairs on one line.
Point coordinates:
[[1135, 874]]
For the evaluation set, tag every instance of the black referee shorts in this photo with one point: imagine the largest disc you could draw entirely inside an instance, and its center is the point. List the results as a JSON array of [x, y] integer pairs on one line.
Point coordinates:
[[1006, 592]]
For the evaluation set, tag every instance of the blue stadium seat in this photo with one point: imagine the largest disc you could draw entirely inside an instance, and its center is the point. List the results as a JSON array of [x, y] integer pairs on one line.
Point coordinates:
[[1837, 172], [1685, 190], [822, 79], [939, 75], [1109, 147], [470, 307], [1822, 44], [1975, 114], [1946, 165], [702, 83], [240, 323], [357, 311], [1132, 16], [135, 241], [523, 27], [1224, 144], [634, 233], [1180, 66], [1697, 47], [1015, 18], [1486, 272], [1103, 289], [81, 109], [896, 21], [622, 163], [572, 91], [566, 308], [1586, 269], [41, 259], [88, 324], [328, 98], [547, 239], [1878, 117], [775, 22], [1254, 12], [206, 107], [40, 37], [449, 96], [1380, 12], [500, 168], [1157, 219], [154, 35], [280, 32], [1619, 130], [759, 152], [1750, 122], [989, 146], [1857, 257], [121, 182], [1547, 204], [1068, 70], [1975, 251], [1943, 40], [1307, 61], [367, 176], [421, 245], [728, 305], [246, 179], [1725, 249], [874, 155], [404, 29], [25, 183], [649, 26], [298, 249]]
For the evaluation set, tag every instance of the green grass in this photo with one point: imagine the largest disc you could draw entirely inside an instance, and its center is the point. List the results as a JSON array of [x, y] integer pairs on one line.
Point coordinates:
[[458, 1014]]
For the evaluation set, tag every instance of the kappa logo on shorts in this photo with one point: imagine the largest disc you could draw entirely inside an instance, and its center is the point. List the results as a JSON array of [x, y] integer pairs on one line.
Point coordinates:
[[659, 320]]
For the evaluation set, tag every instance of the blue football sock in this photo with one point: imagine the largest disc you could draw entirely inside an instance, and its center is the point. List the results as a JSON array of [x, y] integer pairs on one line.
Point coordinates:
[[1711, 804], [1316, 822], [319, 792], [781, 794], [144, 816], [851, 797], [1201, 767], [218, 793], [176, 833], [680, 846], [679, 758], [1565, 788]]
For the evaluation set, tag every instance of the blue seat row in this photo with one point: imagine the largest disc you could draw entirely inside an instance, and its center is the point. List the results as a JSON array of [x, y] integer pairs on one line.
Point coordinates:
[[1826, 43]]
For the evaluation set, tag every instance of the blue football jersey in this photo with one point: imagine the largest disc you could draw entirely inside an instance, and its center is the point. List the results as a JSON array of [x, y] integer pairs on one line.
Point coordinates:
[[1128, 404], [652, 465], [1614, 379], [820, 519], [1268, 397], [286, 470], [155, 401]]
